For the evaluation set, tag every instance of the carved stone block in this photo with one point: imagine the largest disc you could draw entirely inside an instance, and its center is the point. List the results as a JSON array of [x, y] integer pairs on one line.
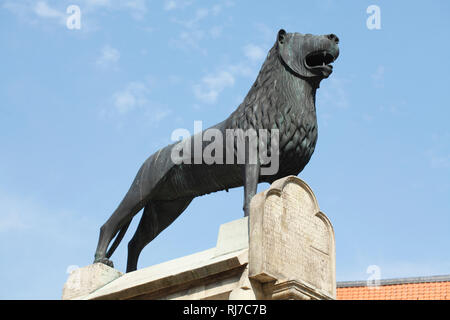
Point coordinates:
[[292, 246], [83, 281]]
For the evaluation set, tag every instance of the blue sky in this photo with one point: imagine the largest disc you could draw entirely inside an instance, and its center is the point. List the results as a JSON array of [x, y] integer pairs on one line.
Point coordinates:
[[80, 110]]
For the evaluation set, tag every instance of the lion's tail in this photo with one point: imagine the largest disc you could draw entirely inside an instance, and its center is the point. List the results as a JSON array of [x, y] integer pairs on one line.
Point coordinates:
[[119, 238]]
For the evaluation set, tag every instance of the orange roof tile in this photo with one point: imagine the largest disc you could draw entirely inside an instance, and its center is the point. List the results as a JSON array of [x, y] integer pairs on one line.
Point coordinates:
[[430, 288]]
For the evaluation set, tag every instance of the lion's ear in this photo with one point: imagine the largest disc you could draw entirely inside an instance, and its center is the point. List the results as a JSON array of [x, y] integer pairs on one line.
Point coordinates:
[[281, 36]]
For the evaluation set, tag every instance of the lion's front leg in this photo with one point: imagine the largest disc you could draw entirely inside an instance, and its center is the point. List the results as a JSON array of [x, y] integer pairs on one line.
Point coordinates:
[[251, 178]]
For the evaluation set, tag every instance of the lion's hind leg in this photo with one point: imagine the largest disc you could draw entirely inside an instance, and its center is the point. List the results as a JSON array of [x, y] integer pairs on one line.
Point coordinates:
[[130, 205], [157, 216]]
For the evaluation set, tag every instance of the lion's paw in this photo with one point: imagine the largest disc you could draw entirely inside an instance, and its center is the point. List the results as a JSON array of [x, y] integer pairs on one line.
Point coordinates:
[[106, 261]]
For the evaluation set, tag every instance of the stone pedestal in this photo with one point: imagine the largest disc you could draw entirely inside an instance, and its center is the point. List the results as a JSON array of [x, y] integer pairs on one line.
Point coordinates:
[[292, 248], [85, 280], [290, 255]]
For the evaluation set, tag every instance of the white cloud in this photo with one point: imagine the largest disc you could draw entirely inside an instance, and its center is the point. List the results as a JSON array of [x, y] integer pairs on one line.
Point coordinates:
[[170, 5], [393, 107], [216, 9], [265, 33], [174, 79], [98, 3], [161, 114], [200, 14], [109, 57], [138, 8], [136, 97], [132, 97], [212, 85], [192, 34], [367, 117], [254, 53], [42, 9], [440, 161], [21, 9], [189, 38], [24, 215], [33, 12], [439, 152], [12, 221], [124, 101], [215, 31], [335, 95], [378, 77], [243, 69], [19, 213]]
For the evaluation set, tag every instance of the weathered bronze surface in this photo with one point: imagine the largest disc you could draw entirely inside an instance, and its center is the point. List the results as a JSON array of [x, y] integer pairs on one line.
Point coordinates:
[[282, 97]]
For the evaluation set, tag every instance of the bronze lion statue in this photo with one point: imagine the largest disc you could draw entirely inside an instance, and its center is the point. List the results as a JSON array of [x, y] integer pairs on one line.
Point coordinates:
[[281, 102]]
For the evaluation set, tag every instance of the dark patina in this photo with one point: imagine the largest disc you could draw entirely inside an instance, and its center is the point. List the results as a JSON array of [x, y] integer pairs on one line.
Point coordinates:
[[282, 97]]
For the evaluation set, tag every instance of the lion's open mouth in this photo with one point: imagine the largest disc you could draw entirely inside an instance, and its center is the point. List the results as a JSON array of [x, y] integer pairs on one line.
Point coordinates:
[[319, 59]]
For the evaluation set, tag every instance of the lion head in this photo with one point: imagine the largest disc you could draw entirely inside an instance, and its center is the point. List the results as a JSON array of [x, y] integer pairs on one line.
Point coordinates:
[[308, 55]]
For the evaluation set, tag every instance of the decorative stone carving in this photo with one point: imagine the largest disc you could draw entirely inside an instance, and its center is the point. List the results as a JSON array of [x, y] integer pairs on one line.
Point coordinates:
[[292, 245]]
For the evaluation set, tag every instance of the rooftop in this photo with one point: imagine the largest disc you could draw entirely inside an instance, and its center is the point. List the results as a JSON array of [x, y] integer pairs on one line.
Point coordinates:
[[415, 288]]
